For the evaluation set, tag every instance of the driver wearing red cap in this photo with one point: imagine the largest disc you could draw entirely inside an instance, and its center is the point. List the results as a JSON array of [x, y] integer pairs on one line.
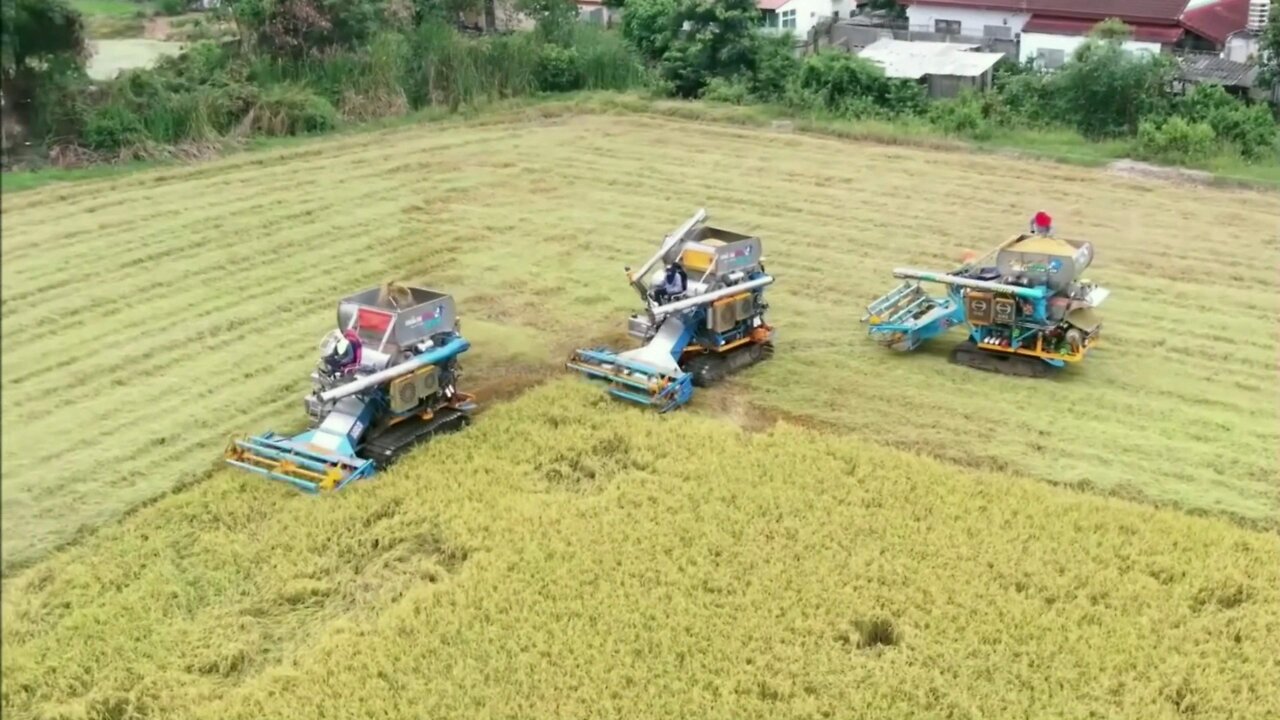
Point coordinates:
[[1042, 224]]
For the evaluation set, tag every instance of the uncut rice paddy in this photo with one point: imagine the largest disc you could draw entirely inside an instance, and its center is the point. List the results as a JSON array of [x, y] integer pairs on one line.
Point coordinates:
[[149, 317], [565, 558]]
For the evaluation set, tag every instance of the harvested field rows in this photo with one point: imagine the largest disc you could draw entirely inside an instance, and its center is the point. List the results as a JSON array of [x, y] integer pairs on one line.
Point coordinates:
[[591, 570], [146, 318]]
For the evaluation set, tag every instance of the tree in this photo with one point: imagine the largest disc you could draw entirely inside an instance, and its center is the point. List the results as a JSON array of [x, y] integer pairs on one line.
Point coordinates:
[[648, 25], [294, 28], [1269, 50], [37, 31], [555, 18], [706, 39], [42, 45], [1106, 91]]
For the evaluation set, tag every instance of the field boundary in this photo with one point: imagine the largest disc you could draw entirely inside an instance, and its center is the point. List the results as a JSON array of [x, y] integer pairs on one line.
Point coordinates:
[[694, 112]]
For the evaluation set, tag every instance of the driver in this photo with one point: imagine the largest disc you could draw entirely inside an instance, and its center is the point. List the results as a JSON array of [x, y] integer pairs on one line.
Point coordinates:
[[1042, 224], [345, 352], [674, 284]]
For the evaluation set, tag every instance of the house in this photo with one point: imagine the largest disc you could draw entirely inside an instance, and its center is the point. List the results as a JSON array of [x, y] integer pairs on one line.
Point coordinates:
[[944, 68], [1050, 30], [800, 17]]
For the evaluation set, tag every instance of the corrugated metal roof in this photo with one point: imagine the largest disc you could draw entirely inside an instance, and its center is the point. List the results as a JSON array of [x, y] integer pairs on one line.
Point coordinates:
[[1075, 26], [1220, 71], [1216, 20], [1127, 10], [914, 60]]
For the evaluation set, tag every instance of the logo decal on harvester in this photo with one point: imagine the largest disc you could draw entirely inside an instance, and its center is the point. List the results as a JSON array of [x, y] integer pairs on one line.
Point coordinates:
[[738, 257], [428, 319]]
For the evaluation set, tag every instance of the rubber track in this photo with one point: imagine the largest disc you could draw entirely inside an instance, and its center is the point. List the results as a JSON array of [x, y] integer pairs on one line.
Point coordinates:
[[389, 445], [710, 368], [970, 355]]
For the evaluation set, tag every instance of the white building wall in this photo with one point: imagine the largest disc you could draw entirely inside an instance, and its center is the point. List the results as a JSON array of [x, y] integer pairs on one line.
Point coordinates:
[[809, 13], [1033, 43], [1241, 48], [922, 18]]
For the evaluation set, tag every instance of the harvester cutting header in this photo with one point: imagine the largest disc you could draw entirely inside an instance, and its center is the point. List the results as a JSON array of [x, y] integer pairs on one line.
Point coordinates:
[[703, 318], [1027, 306], [386, 381]]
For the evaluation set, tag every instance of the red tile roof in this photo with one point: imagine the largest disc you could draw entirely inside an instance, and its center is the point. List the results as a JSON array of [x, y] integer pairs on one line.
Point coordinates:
[[1076, 26], [1131, 11], [1218, 20], [770, 4]]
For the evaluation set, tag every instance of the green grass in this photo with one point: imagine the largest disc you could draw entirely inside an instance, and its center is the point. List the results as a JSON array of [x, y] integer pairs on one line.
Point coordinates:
[[113, 19], [110, 8], [528, 221], [571, 557], [1060, 146]]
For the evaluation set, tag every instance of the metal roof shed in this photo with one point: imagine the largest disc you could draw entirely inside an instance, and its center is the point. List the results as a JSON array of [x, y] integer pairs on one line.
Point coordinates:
[[946, 68]]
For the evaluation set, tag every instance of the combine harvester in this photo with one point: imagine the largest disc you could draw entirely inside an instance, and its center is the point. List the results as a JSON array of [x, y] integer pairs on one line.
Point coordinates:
[[385, 382], [1028, 314], [703, 319]]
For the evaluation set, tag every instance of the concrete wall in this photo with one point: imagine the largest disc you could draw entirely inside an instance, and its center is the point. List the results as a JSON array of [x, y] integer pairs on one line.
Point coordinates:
[[599, 14], [974, 23], [855, 37], [1033, 43]]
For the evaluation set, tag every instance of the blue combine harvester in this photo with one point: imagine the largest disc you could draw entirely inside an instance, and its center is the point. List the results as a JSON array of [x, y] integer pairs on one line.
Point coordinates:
[[385, 382], [703, 319], [1026, 307]]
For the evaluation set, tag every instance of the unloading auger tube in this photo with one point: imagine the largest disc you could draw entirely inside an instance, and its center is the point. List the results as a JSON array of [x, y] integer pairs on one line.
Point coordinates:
[[386, 382], [716, 326], [1026, 305]]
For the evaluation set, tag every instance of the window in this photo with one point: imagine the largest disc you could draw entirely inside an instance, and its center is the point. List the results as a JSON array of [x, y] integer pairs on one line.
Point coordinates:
[[788, 18], [1051, 59], [946, 27], [999, 32]]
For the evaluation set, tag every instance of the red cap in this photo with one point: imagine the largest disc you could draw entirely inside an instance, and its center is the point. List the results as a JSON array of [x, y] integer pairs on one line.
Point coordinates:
[[1043, 219]]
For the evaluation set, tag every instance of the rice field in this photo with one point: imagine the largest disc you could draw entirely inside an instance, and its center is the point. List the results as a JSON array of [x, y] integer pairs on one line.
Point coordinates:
[[589, 569], [874, 535], [148, 317]]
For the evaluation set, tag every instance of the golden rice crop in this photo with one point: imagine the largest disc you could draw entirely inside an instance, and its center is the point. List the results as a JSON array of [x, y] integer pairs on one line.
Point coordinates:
[[570, 557], [147, 317]]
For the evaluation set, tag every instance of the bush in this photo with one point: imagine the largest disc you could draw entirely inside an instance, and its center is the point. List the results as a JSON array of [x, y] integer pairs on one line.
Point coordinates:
[[1175, 140], [290, 109], [904, 97], [1105, 91], [734, 92], [775, 66], [1250, 128], [113, 127], [962, 116], [559, 69], [842, 83], [605, 59]]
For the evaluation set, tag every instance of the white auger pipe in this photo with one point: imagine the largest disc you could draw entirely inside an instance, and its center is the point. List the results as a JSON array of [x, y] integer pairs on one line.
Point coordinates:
[[695, 301], [912, 274], [670, 240], [433, 355]]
